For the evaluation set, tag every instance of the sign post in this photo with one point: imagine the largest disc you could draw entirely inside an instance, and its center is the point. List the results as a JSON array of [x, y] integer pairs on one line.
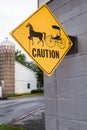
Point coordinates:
[[43, 38]]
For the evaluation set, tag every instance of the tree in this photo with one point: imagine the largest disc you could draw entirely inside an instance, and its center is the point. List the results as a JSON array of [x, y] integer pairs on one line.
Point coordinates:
[[20, 57], [40, 79], [38, 72]]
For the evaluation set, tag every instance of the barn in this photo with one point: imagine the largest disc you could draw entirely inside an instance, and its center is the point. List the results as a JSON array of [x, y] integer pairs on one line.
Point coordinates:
[[25, 79]]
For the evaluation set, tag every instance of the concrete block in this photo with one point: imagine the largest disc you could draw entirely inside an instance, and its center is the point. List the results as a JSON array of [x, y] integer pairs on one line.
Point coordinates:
[[65, 124], [81, 110], [73, 109], [72, 88], [51, 123], [49, 79], [76, 26], [66, 108], [73, 12], [82, 40], [51, 107], [72, 67], [50, 89]]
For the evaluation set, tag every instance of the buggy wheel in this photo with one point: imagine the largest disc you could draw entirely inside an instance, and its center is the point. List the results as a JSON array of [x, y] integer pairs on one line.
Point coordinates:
[[61, 43], [50, 42]]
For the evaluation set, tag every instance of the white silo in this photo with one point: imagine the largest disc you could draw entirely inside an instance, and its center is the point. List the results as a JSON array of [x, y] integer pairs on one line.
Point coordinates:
[[7, 66]]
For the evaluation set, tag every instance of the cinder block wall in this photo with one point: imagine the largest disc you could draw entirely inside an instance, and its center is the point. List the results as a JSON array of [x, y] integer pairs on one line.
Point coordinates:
[[66, 89]]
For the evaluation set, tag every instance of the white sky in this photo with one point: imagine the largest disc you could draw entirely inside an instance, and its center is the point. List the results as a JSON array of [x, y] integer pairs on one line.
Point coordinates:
[[12, 13]]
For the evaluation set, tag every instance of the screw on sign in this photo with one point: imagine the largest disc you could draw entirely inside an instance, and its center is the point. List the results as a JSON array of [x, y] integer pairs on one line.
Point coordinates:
[[43, 38]]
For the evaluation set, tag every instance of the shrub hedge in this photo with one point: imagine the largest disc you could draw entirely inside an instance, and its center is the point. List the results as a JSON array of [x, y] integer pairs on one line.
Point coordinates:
[[36, 91]]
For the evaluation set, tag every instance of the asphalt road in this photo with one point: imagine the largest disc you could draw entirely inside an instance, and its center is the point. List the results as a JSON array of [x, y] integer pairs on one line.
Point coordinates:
[[14, 109]]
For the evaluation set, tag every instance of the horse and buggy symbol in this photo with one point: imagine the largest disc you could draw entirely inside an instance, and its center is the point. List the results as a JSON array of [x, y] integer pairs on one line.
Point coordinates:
[[50, 40]]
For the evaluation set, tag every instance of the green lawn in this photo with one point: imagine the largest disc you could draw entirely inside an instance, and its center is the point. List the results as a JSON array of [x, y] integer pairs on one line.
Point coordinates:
[[6, 127], [25, 95]]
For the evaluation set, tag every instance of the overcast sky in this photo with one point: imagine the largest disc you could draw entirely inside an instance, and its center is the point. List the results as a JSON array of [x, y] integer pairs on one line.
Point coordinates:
[[12, 13]]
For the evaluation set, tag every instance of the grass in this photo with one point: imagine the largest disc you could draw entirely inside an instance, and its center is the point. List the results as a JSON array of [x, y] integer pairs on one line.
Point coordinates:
[[6, 127], [24, 95]]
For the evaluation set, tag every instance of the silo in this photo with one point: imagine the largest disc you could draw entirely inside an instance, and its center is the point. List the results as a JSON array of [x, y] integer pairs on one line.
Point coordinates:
[[7, 66]]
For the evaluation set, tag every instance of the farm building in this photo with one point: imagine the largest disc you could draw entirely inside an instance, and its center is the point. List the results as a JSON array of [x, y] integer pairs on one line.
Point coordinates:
[[14, 77], [25, 79]]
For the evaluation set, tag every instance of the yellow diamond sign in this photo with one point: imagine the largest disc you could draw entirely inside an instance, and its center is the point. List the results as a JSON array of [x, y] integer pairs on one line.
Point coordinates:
[[43, 39]]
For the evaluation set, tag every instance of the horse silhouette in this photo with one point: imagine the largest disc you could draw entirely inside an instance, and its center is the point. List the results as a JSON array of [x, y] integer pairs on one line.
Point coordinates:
[[40, 35]]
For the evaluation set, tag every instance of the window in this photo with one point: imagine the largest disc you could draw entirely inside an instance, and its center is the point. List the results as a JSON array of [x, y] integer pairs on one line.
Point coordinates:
[[28, 85]]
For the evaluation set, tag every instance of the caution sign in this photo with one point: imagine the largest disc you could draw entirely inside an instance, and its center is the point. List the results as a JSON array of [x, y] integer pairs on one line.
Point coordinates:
[[43, 39]]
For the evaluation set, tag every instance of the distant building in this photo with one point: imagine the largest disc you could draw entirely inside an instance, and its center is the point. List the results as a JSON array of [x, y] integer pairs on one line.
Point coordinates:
[[14, 77], [25, 79]]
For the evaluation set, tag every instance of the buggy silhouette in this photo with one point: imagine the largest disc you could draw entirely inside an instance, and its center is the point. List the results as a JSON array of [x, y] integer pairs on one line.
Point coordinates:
[[52, 41]]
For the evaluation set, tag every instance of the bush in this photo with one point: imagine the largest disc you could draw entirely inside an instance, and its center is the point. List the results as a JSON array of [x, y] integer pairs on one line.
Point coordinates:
[[36, 91]]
